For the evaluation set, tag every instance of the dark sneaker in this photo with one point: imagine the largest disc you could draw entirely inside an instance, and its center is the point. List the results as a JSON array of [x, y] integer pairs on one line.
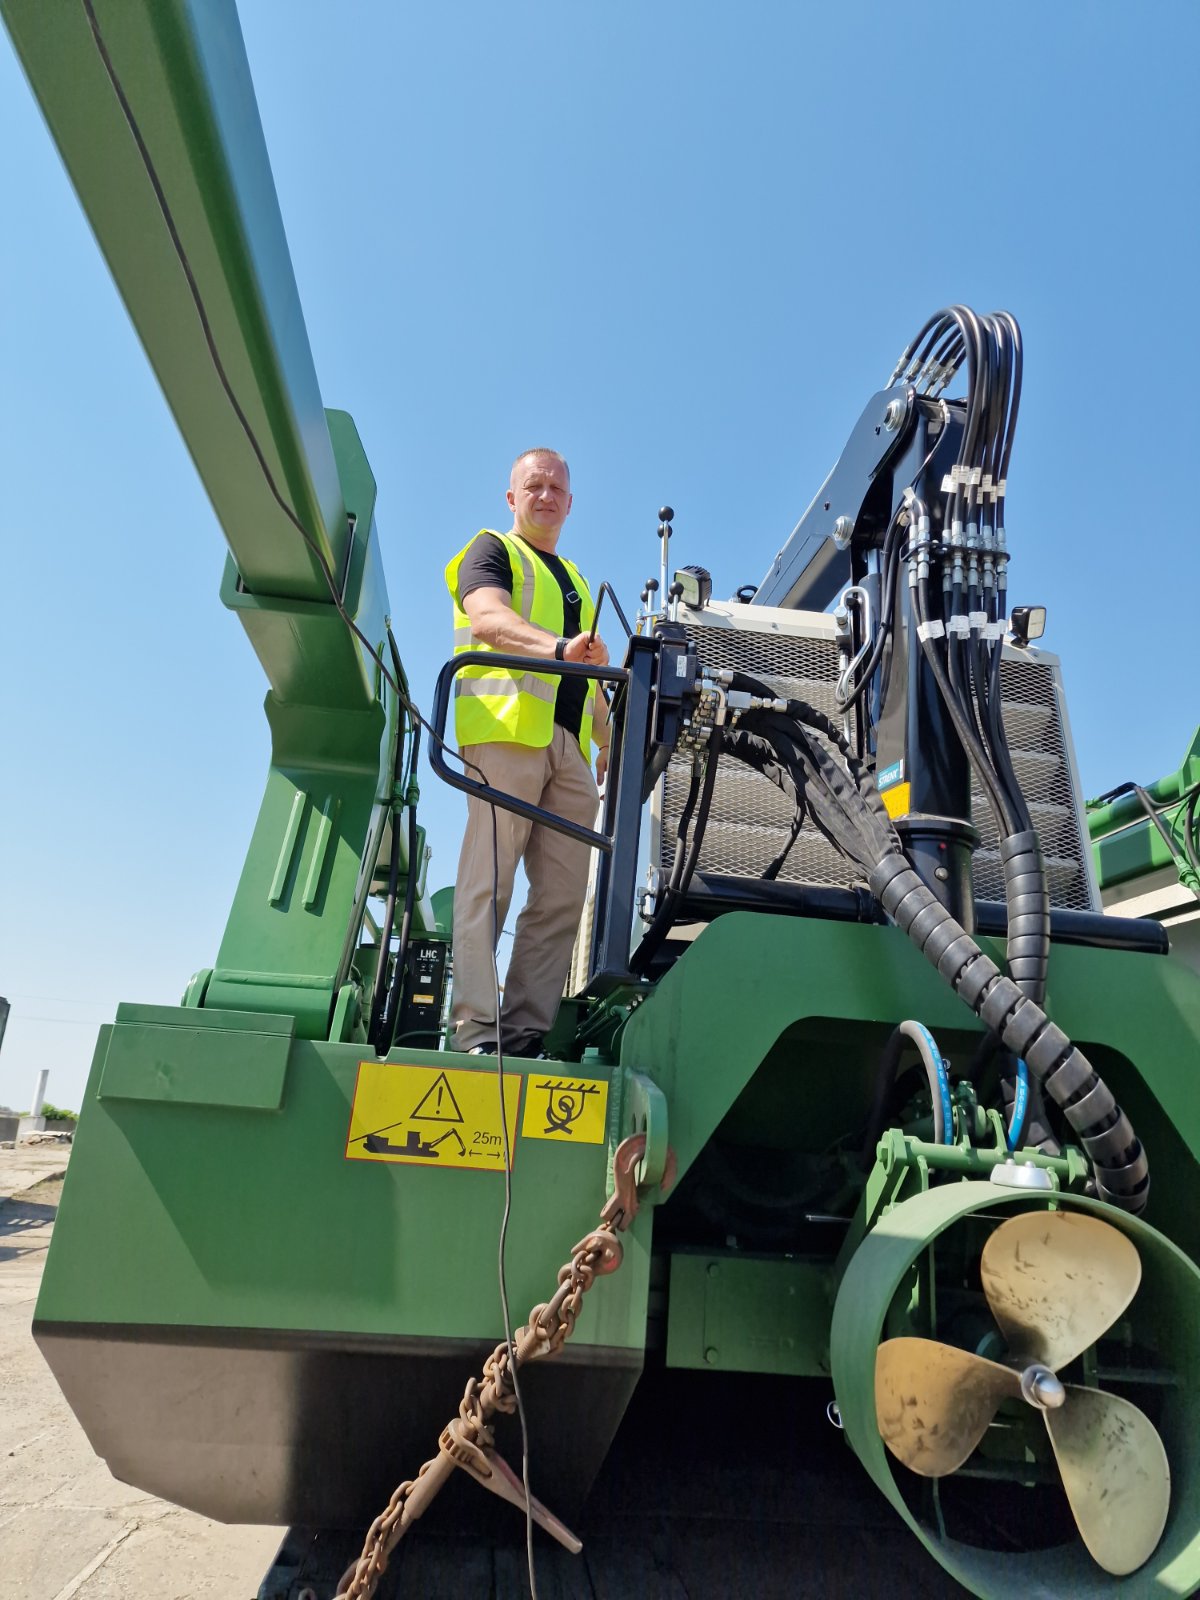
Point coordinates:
[[527, 1050]]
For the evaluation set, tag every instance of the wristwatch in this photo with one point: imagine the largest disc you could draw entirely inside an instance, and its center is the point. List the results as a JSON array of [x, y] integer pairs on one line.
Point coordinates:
[[560, 649]]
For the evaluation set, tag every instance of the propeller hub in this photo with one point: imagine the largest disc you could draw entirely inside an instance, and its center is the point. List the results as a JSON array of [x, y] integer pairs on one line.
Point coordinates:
[[1041, 1388]]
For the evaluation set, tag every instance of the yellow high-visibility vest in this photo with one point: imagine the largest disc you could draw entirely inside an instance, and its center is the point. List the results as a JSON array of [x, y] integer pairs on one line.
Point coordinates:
[[501, 707]]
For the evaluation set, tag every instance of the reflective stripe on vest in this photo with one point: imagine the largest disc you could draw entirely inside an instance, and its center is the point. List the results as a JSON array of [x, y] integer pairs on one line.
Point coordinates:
[[500, 707], [505, 683]]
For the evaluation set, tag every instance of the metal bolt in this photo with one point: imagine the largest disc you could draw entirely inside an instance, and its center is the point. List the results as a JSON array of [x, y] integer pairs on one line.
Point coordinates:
[[942, 874], [894, 415], [711, 1355], [842, 529], [1041, 1388]]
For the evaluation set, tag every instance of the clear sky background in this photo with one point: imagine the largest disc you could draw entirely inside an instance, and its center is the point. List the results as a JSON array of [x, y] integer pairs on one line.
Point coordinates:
[[684, 243]]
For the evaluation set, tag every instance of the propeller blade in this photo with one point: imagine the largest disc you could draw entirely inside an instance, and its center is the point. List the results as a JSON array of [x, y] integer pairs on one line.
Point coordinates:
[[1115, 1472], [1056, 1281], [933, 1402]]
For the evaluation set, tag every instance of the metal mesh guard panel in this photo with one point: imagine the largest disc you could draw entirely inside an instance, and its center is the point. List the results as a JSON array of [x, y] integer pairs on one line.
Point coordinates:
[[750, 819]]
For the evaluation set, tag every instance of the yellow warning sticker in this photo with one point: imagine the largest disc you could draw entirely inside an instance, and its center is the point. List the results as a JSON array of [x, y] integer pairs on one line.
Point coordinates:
[[897, 799], [432, 1117], [570, 1109]]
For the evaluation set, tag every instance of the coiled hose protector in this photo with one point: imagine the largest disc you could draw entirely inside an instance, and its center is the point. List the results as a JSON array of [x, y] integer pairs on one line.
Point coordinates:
[[1027, 957], [1028, 900], [1118, 1161]]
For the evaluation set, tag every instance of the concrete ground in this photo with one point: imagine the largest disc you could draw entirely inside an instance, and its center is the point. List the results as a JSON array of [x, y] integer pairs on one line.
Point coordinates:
[[68, 1529]]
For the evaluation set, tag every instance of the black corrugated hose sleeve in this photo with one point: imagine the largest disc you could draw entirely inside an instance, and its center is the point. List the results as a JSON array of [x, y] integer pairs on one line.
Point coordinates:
[[1118, 1160], [1027, 957], [1027, 898]]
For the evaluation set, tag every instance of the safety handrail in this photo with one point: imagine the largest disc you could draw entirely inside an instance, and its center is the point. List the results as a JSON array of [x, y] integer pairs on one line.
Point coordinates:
[[485, 791]]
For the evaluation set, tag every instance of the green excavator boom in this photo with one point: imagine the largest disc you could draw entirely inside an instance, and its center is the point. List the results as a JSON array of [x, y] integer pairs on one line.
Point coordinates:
[[152, 106]]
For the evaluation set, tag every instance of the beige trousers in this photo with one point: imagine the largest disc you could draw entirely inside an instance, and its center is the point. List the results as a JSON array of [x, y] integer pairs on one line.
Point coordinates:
[[559, 780]]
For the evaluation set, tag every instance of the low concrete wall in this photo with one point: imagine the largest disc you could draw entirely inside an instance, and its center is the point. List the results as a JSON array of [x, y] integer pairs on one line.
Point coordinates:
[[28, 1125]]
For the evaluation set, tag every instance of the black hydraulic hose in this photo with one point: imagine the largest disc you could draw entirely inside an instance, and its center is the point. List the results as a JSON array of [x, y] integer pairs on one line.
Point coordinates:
[[391, 1011], [664, 918], [684, 822], [389, 914], [1009, 322], [1030, 1127], [913, 1034], [962, 727], [1118, 1160], [1119, 1164], [985, 680], [385, 938]]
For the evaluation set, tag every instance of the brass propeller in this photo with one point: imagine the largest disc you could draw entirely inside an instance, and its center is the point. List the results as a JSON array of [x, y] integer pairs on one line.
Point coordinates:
[[1055, 1281]]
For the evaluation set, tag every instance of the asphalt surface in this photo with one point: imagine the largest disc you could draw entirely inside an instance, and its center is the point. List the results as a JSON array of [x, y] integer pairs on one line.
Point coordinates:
[[68, 1529]]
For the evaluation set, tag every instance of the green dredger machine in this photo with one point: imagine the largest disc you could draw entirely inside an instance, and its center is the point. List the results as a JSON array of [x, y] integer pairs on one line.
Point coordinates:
[[841, 1118]]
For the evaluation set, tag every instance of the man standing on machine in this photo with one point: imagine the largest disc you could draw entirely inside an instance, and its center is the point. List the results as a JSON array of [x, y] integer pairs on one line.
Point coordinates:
[[530, 734]]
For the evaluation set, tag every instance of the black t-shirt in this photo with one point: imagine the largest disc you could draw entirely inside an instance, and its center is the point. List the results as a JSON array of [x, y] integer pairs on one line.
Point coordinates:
[[486, 566]]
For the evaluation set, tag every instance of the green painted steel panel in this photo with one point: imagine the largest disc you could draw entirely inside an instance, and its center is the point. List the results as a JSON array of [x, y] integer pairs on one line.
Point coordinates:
[[183, 1017], [196, 1065], [189, 1215], [742, 1313]]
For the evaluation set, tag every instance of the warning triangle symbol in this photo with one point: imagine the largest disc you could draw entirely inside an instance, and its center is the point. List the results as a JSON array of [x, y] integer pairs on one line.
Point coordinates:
[[437, 1104]]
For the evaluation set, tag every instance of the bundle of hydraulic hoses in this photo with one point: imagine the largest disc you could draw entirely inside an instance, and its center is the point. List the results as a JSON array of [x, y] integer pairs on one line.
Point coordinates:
[[806, 755]]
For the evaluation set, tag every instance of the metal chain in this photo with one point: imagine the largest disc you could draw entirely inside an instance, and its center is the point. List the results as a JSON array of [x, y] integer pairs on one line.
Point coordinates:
[[549, 1327]]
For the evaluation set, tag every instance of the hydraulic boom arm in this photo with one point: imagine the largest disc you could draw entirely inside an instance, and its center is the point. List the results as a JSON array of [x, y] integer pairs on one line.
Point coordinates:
[[152, 107]]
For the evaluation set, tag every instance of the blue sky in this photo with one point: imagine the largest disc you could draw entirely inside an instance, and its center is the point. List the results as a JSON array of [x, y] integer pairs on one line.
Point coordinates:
[[682, 242]]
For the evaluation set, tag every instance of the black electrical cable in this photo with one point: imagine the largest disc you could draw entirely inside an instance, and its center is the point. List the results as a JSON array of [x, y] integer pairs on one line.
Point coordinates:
[[502, 1268]]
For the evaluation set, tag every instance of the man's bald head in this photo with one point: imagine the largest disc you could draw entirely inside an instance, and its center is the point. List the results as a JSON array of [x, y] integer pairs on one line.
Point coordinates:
[[538, 451], [539, 496]]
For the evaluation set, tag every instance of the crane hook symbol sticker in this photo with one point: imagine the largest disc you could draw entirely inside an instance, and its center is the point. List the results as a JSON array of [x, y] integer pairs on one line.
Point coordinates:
[[566, 1109]]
